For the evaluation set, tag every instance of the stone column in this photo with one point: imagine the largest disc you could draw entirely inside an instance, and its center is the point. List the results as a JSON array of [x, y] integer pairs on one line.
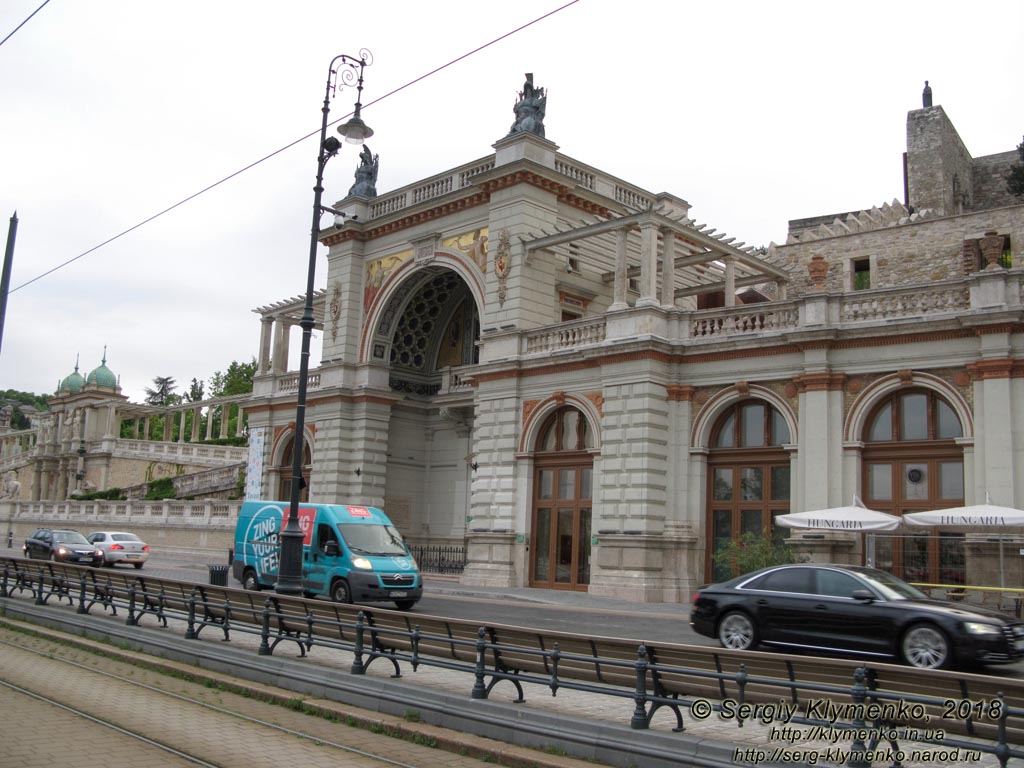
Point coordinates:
[[820, 484], [730, 281], [225, 418], [619, 295], [282, 329], [668, 268], [996, 405], [266, 333], [648, 265], [209, 421], [197, 419]]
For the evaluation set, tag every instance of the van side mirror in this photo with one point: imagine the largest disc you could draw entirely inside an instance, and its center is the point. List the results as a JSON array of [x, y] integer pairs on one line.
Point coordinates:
[[863, 594], [331, 548]]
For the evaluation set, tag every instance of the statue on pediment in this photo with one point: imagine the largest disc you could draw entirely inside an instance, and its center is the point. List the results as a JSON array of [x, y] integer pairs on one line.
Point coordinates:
[[529, 110]]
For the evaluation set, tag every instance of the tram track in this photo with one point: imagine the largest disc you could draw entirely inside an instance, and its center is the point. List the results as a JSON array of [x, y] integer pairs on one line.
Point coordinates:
[[180, 738]]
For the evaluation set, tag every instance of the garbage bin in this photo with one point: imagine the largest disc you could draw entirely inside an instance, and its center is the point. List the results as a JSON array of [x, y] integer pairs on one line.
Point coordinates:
[[218, 575]]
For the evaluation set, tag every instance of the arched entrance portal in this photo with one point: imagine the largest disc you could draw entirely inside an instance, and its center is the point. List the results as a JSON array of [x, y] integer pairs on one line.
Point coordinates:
[[912, 463], [426, 333], [562, 503], [284, 469]]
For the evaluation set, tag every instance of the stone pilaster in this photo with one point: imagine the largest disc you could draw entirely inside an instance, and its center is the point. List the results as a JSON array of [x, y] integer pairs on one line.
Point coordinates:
[[497, 525]]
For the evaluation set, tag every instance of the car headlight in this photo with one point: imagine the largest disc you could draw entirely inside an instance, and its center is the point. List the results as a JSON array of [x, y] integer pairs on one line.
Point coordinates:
[[97, 553], [61, 551], [362, 562], [979, 628]]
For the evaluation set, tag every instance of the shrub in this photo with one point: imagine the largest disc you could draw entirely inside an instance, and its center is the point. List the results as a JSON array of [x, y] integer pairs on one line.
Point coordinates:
[[160, 489], [751, 552]]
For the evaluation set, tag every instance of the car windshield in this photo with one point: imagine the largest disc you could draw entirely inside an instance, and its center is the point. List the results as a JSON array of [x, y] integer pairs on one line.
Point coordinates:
[[69, 537], [382, 540], [124, 537], [891, 587]]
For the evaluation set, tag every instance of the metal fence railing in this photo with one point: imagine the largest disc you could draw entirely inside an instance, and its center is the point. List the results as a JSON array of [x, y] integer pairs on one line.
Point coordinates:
[[439, 559], [875, 712]]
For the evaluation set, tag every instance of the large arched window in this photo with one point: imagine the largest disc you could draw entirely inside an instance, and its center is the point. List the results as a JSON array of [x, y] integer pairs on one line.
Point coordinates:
[[748, 477], [911, 463], [562, 502]]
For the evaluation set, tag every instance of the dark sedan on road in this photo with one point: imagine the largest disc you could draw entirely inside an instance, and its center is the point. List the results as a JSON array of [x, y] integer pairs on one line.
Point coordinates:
[[852, 610], [63, 545]]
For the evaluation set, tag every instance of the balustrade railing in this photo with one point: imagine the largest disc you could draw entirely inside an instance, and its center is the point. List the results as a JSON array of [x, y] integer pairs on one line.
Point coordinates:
[[913, 301], [744, 320], [578, 333]]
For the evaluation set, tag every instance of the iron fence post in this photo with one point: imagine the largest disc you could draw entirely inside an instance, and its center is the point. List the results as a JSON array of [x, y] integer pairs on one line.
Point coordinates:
[[639, 720], [858, 749], [479, 689], [81, 595], [190, 630], [357, 661]]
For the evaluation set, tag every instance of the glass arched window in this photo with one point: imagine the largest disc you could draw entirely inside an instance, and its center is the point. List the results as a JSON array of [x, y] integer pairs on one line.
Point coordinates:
[[565, 430], [914, 415], [751, 424], [748, 478], [563, 487], [912, 463]]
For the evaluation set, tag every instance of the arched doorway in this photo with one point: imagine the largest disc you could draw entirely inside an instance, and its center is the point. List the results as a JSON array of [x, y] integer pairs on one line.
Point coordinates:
[[562, 503], [911, 462], [748, 477], [284, 470]]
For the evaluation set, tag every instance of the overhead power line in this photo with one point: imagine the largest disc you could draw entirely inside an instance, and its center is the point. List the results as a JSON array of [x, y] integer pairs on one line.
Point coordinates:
[[11, 34], [276, 152]]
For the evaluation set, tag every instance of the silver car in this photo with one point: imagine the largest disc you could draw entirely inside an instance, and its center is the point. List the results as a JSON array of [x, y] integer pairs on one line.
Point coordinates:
[[120, 547]]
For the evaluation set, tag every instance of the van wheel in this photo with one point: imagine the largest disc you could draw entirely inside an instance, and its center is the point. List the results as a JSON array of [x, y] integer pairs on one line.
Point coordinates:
[[340, 593], [250, 582], [405, 605]]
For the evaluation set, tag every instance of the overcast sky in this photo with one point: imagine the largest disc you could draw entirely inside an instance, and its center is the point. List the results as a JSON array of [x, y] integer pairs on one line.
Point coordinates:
[[113, 110]]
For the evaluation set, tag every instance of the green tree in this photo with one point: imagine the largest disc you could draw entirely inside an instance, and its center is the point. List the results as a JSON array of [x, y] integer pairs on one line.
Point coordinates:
[[15, 398], [236, 380], [161, 394], [751, 552], [195, 391], [1015, 177]]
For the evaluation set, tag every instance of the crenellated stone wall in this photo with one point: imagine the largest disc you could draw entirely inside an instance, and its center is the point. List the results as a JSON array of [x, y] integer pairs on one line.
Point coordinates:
[[914, 251]]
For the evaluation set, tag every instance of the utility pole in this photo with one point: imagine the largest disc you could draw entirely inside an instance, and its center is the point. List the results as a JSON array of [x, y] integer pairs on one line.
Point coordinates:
[[5, 282]]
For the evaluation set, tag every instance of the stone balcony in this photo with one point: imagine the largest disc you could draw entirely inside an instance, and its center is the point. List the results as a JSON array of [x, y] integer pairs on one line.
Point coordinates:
[[968, 300]]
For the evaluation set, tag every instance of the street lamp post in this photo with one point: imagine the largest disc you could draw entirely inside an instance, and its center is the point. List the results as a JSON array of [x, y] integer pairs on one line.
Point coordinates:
[[350, 69]]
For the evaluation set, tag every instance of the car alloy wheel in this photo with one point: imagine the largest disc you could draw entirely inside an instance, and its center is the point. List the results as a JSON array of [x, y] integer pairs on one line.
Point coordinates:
[[736, 631], [925, 647], [250, 582]]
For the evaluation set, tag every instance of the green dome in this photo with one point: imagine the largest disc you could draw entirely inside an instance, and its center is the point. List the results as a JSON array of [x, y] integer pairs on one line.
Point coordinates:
[[73, 382], [102, 376]]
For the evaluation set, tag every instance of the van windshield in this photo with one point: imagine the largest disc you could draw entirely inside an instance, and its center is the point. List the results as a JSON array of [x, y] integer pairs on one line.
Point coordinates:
[[380, 540]]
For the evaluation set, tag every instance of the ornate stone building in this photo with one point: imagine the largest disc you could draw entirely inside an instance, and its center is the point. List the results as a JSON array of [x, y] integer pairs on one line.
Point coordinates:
[[594, 391]]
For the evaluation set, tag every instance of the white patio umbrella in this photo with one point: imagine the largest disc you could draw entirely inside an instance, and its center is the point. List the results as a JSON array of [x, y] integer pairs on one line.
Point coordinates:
[[976, 517], [855, 517]]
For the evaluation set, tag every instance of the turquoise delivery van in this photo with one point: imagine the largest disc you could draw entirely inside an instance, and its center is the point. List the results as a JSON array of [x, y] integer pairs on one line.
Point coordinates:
[[349, 553]]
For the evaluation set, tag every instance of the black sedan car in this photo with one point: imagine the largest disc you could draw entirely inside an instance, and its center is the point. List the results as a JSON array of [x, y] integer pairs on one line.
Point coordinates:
[[852, 610], [63, 545]]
